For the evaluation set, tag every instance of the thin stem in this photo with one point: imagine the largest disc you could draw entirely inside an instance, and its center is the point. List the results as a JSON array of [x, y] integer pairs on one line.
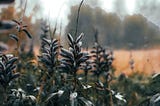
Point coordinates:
[[24, 10], [110, 94], [86, 78], [18, 43], [75, 81], [77, 20], [5, 95], [41, 88]]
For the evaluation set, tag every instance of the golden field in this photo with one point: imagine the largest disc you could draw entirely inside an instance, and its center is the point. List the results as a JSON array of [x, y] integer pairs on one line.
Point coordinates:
[[145, 61]]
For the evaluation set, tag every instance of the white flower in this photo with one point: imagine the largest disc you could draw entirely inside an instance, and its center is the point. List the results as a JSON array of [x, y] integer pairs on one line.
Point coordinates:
[[73, 95]]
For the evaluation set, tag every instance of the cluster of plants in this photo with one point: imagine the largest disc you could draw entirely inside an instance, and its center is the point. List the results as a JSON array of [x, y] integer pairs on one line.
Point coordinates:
[[69, 77], [54, 79], [72, 76]]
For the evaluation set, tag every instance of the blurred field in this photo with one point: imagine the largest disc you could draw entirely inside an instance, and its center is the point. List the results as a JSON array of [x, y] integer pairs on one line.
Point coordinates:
[[145, 61]]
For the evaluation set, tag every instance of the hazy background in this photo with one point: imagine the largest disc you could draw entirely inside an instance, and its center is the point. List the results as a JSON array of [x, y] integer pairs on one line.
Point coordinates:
[[127, 24], [120, 23]]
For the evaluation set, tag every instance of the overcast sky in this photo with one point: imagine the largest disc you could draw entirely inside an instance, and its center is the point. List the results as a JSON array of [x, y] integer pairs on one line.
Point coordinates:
[[59, 9]]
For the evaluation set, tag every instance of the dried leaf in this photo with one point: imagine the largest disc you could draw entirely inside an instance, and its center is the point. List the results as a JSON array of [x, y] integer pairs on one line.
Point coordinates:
[[14, 37], [27, 33]]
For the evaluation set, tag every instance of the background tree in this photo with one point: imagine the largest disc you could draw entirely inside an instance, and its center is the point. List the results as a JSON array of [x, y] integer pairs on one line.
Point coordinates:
[[134, 31]]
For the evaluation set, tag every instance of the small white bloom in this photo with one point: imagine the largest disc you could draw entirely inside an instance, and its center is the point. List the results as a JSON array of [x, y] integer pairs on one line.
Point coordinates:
[[86, 87], [38, 88], [73, 95], [9, 55], [20, 90], [80, 78], [80, 44]]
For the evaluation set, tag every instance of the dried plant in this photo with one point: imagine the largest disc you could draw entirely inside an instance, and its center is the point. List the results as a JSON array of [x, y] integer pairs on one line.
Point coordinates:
[[22, 28]]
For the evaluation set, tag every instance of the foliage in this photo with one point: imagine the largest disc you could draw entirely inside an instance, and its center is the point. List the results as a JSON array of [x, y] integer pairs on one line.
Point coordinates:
[[49, 54], [69, 77], [19, 97], [74, 57], [7, 68]]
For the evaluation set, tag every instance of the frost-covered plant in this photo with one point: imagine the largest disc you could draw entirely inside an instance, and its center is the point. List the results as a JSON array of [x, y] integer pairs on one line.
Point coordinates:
[[101, 65], [73, 57], [7, 72], [70, 63], [49, 54], [49, 68], [101, 60], [45, 30], [7, 67], [20, 98]]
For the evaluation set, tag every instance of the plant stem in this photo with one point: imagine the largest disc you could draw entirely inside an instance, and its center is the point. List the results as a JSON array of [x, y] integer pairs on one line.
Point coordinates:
[[41, 88], [86, 79], [110, 96], [75, 81], [77, 20], [5, 95], [18, 43]]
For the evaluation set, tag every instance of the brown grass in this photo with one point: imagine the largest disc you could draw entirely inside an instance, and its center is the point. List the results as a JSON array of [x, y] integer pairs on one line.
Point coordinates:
[[145, 61]]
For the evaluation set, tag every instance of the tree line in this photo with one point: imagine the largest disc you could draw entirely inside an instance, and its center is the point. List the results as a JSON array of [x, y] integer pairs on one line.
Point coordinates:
[[132, 31]]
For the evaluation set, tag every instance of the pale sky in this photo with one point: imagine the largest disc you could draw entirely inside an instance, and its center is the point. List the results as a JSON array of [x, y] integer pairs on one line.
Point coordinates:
[[57, 10], [60, 8]]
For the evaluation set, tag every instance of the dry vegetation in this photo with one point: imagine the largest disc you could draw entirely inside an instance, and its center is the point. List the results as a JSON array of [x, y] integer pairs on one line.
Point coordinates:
[[145, 61]]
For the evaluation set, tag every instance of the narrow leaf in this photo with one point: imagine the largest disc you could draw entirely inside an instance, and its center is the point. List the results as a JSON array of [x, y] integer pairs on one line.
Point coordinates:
[[14, 37], [70, 38], [27, 33], [79, 37]]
